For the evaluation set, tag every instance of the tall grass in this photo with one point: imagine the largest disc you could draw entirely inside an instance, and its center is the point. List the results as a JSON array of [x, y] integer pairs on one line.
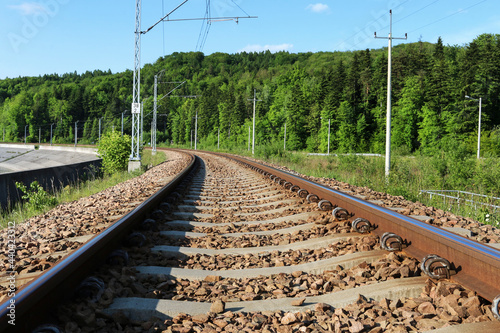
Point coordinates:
[[21, 212], [453, 168], [409, 175]]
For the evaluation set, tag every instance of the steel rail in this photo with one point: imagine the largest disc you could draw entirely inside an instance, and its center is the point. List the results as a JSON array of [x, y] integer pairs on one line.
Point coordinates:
[[35, 301], [477, 265]]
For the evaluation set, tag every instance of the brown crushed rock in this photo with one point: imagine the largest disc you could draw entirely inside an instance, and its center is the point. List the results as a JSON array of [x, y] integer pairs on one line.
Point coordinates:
[[215, 241], [453, 305], [265, 259], [47, 234], [480, 232], [297, 284], [441, 303]]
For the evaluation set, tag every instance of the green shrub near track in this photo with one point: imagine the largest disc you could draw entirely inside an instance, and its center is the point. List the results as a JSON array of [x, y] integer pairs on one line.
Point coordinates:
[[114, 149]]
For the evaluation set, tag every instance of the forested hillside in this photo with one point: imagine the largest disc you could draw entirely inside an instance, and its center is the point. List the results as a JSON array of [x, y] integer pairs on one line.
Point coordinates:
[[304, 90]]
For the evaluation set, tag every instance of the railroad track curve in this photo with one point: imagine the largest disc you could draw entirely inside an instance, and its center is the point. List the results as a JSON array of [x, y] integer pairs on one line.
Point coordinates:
[[234, 245]]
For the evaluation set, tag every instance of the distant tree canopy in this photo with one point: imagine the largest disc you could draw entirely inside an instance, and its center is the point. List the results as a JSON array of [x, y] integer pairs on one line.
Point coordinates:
[[303, 90]]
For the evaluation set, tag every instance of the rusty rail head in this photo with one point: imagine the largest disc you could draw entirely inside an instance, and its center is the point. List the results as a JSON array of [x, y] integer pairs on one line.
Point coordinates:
[[35, 301], [477, 265]]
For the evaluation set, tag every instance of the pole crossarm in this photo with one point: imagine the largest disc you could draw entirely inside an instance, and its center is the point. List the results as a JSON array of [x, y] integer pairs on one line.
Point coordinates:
[[171, 91], [213, 19], [163, 18], [186, 96]]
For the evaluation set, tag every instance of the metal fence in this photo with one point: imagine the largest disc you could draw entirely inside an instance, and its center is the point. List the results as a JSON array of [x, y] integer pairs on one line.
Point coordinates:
[[457, 201]]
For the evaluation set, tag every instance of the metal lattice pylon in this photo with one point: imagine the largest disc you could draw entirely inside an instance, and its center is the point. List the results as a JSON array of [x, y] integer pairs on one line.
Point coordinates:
[[136, 93]]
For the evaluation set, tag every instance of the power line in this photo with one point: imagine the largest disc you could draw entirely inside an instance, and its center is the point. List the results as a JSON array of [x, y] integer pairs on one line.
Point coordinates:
[[403, 18], [163, 24], [207, 22], [455, 13], [366, 26], [164, 17], [240, 7]]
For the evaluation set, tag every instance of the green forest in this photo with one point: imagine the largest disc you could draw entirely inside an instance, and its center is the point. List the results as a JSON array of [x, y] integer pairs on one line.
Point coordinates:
[[304, 90]]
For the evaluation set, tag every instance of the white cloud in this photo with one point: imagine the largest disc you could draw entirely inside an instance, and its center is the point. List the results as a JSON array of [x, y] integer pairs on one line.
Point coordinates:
[[272, 48], [29, 8], [318, 7]]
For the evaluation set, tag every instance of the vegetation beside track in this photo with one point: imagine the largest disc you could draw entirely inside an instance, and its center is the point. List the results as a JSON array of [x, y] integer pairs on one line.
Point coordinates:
[[454, 169]]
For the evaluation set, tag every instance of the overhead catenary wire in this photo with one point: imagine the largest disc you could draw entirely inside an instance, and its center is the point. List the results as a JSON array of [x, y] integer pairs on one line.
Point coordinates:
[[405, 17], [240, 8], [452, 14], [418, 10], [366, 26], [163, 25], [205, 28], [164, 17]]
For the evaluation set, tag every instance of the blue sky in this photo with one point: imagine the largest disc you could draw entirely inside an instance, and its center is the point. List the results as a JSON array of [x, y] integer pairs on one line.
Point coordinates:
[[59, 36]]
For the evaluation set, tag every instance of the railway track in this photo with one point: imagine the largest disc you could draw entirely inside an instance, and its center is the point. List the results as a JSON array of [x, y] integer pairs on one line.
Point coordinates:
[[233, 246]]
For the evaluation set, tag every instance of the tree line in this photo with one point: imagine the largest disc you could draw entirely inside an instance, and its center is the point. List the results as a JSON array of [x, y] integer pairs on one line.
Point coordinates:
[[305, 90]]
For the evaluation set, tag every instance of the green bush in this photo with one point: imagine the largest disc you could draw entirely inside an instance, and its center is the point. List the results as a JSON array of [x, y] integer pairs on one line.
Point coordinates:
[[114, 149], [36, 197]]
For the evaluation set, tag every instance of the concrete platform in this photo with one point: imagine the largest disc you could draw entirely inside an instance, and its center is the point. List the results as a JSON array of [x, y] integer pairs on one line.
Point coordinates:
[[17, 159], [142, 309]]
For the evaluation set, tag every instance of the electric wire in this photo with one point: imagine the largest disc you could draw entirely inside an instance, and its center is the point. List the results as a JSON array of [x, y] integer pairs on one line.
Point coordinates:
[[163, 24], [240, 8], [418, 10], [205, 28], [441, 19], [164, 17], [366, 26]]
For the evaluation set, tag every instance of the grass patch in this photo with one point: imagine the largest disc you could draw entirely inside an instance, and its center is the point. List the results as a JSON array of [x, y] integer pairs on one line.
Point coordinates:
[[409, 175], [21, 212], [454, 169]]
